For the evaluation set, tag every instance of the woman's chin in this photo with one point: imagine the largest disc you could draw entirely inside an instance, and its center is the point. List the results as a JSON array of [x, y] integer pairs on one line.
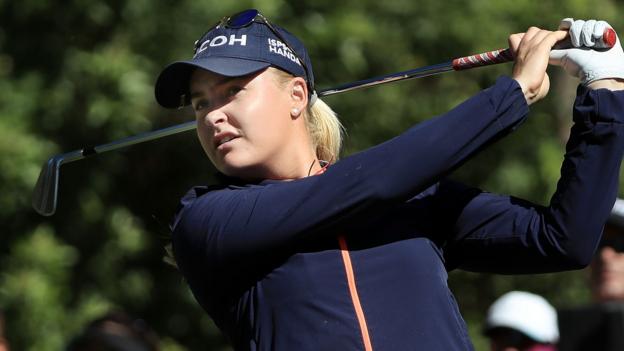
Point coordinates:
[[241, 170]]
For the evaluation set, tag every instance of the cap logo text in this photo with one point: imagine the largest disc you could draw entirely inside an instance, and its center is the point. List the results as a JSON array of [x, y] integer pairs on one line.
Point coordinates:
[[277, 47], [223, 40]]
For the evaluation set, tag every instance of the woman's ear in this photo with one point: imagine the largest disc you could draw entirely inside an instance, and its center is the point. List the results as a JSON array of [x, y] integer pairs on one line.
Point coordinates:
[[298, 96]]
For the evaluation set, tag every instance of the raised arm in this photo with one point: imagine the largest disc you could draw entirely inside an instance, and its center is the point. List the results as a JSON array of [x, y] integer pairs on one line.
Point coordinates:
[[503, 234], [507, 235]]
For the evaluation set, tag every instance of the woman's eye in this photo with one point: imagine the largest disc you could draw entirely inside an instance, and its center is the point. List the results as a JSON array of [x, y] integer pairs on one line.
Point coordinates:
[[234, 90], [201, 104]]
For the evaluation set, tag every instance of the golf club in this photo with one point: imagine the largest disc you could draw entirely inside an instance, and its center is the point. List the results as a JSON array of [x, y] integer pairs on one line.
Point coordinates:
[[45, 195]]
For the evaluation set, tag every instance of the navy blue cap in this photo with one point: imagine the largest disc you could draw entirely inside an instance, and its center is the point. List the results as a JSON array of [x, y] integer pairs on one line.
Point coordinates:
[[233, 52]]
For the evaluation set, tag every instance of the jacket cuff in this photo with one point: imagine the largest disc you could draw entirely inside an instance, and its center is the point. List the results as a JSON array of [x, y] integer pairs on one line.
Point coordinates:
[[593, 107], [508, 101]]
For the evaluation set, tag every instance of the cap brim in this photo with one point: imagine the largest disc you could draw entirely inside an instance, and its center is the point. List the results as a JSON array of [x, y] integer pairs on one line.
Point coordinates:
[[173, 82]]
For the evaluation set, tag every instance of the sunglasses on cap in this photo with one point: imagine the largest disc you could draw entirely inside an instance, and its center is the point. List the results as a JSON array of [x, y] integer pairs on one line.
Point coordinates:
[[247, 17]]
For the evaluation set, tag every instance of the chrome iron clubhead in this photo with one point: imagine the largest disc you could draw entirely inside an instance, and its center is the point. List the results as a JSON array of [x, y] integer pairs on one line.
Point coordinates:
[[45, 194]]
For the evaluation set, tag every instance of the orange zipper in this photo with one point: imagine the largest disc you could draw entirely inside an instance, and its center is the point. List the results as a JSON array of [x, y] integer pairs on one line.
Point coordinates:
[[346, 259]]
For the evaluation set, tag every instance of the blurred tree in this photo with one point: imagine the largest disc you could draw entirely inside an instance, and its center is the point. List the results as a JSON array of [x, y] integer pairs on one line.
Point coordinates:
[[82, 73]]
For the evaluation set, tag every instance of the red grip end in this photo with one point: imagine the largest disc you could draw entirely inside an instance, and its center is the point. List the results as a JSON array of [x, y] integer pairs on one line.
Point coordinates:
[[609, 37]]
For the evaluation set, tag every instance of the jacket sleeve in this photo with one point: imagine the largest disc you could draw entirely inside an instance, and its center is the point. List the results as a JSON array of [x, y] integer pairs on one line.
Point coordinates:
[[231, 224], [507, 235]]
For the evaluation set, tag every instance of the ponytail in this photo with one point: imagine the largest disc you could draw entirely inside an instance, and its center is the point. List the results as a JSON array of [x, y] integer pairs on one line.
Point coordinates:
[[325, 130]]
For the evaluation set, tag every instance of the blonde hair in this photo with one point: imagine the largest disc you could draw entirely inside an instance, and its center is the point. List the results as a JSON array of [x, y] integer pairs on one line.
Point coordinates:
[[322, 123]]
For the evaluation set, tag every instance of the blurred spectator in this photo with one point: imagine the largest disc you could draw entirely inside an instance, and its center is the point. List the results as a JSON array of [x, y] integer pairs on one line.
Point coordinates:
[[607, 268], [599, 326], [521, 321], [115, 331], [4, 344]]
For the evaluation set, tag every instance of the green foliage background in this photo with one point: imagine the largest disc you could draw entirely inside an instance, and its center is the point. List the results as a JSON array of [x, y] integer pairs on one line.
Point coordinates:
[[81, 72]]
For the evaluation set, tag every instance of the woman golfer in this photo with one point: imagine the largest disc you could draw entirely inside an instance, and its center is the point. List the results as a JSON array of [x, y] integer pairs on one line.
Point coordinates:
[[299, 251]]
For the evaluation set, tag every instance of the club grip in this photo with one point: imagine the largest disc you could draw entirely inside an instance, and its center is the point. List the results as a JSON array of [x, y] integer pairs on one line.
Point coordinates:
[[483, 59], [609, 38]]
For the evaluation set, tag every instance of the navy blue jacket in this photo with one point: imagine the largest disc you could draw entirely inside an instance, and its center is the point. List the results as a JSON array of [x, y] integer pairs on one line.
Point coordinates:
[[357, 258]]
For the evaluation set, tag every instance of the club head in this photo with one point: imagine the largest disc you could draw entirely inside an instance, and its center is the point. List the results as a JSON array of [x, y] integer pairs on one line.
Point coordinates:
[[46, 191]]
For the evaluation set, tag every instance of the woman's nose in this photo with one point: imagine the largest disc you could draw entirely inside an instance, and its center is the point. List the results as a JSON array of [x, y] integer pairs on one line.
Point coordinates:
[[214, 118]]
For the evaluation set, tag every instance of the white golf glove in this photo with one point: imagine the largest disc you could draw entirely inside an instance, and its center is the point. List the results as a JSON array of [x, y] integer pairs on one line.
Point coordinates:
[[588, 59]]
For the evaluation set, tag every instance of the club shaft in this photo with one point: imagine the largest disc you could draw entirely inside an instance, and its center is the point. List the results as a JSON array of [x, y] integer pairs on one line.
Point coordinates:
[[410, 74], [147, 136], [125, 142], [460, 63]]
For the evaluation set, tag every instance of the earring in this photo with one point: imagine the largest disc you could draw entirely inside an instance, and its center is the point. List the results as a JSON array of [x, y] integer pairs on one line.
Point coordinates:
[[294, 112]]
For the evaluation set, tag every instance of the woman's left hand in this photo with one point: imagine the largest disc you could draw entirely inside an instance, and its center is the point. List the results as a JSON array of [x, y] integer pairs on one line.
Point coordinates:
[[532, 52], [590, 57]]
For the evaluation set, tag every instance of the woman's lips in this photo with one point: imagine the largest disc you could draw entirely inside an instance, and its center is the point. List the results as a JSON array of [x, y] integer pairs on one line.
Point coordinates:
[[224, 138]]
